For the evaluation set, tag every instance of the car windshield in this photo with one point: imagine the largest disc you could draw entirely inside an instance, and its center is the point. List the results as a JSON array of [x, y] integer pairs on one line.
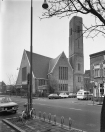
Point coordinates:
[[5, 99], [86, 92]]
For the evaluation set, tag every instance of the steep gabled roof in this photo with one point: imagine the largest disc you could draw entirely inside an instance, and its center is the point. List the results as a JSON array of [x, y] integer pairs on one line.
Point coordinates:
[[40, 64], [53, 63]]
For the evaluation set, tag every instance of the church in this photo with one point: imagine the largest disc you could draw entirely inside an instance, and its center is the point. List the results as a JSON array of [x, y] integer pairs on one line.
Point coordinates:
[[66, 74]]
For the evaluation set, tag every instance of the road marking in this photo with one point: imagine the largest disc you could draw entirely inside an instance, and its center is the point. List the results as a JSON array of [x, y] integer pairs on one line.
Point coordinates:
[[75, 109], [58, 106]]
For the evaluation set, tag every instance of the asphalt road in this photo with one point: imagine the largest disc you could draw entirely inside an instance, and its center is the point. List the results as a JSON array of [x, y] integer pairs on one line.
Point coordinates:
[[84, 115]]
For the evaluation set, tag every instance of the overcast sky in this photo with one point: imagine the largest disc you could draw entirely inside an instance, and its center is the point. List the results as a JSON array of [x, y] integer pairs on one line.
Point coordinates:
[[50, 36]]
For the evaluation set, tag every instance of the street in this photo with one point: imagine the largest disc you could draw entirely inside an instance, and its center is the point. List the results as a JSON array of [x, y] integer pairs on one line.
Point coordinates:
[[84, 114]]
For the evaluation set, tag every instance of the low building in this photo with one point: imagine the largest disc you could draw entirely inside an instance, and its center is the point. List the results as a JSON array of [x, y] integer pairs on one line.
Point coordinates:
[[97, 68]]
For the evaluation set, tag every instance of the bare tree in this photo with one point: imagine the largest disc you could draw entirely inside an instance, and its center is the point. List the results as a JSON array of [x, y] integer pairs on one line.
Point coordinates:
[[12, 79], [12, 83], [53, 85], [64, 8]]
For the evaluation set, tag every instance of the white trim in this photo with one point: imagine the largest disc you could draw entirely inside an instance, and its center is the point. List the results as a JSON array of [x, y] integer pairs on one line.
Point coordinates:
[[97, 66], [24, 82], [55, 64]]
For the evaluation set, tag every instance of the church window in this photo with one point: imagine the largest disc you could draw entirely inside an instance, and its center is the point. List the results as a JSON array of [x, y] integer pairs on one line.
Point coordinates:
[[71, 31], [78, 29], [79, 67], [79, 79], [63, 73], [63, 87], [78, 44], [24, 74]]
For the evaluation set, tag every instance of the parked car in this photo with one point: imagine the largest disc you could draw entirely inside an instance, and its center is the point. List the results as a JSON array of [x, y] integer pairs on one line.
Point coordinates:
[[53, 96], [72, 95], [90, 96], [63, 95], [82, 94], [7, 105]]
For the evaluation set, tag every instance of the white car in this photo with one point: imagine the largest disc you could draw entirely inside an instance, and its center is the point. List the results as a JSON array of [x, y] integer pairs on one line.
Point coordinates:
[[63, 95], [7, 105], [82, 94]]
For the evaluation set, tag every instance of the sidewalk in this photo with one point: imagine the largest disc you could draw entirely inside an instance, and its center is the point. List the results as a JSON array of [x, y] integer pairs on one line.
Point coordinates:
[[38, 125]]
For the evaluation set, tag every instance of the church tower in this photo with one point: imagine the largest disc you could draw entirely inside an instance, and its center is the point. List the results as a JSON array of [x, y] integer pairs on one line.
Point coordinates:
[[76, 56]]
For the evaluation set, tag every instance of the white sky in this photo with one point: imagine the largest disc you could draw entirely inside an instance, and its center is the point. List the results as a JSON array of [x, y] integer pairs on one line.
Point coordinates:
[[50, 36]]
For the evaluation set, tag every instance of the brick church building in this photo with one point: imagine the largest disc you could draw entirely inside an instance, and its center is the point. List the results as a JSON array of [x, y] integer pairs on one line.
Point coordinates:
[[66, 73]]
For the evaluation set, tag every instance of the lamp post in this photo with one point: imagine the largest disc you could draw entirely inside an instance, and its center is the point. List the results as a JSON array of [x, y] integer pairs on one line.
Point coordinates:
[[31, 47], [45, 6]]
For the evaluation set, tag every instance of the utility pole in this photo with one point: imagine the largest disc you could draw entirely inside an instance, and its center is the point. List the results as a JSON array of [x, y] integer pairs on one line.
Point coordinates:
[[31, 46]]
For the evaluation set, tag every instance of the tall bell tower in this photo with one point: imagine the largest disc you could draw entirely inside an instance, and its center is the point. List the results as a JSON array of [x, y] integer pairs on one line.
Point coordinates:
[[76, 55]]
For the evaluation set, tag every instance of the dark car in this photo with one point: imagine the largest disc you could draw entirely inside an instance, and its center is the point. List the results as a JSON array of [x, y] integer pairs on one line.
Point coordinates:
[[7, 105], [53, 96], [72, 95]]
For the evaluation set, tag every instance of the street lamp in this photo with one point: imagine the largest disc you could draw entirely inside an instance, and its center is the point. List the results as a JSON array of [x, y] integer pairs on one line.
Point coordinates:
[[31, 43], [45, 5]]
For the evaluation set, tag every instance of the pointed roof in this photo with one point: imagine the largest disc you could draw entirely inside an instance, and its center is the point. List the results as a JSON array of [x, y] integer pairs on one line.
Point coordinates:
[[53, 63], [40, 64]]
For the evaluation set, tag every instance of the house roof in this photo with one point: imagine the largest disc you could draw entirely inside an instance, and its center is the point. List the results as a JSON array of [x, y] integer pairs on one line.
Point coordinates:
[[97, 54], [40, 64], [87, 73]]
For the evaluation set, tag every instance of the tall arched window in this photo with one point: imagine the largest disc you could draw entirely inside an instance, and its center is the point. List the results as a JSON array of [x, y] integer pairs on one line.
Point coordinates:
[[79, 66]]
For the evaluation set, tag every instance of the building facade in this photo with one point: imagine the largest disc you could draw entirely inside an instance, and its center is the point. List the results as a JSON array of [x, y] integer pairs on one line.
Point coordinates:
[[46, 69], [66, 75], [76, 55], [87, 81], [97, 68]]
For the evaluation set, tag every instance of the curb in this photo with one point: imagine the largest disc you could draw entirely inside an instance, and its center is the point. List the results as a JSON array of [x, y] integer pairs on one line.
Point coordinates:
[[17, 129]]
